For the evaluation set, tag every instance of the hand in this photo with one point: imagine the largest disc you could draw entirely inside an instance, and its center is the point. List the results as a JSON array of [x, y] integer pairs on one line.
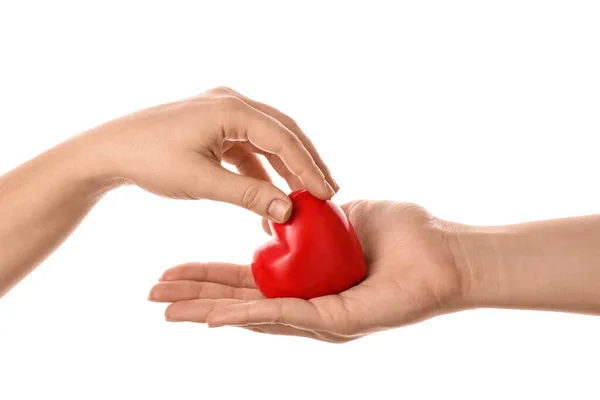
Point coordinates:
[[411, 276], [175, 150]]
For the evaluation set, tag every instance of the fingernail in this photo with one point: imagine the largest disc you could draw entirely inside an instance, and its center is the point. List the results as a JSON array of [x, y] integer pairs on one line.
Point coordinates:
[[216, 322], [212, 324], [279, 210], [330, 189], [336, 187]]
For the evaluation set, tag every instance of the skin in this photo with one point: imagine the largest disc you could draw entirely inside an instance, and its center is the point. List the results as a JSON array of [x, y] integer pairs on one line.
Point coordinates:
[[419, 267], [173, 150]]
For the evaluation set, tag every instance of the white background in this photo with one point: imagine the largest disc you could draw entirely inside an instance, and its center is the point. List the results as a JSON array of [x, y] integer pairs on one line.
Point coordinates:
[[483, 112]]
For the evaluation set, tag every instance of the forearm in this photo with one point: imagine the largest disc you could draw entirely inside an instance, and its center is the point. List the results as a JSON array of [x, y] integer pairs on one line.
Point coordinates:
[[545, 265], [42, 202]]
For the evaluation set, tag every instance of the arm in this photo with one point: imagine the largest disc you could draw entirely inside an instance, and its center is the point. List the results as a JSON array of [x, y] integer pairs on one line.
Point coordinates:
[[41, 203], [419, 267], [545, 265], [173, 150]]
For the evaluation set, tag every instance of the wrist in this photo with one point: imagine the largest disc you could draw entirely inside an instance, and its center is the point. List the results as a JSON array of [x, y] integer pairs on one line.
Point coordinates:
[[480, 262], [86, 165]]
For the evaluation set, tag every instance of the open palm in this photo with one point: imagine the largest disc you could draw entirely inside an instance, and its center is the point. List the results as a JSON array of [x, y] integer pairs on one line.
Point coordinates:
[[411, 276]]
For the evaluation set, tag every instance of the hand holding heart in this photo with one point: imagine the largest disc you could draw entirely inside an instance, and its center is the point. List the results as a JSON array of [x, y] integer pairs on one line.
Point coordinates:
[[411, 276]]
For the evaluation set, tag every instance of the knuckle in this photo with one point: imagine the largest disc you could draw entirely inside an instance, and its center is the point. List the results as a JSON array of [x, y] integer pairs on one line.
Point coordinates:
[[228, 110], [221, 90], [290, 123], [229, 103], [199, 290], [290, 141], [251, 197], [278, 317]]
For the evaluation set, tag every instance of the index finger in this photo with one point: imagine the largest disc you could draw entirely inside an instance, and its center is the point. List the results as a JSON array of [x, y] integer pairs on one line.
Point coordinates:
[[241, 122], [292, 126]]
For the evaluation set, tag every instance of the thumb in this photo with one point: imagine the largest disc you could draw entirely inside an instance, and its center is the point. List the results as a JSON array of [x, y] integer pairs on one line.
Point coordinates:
[[256, 195]]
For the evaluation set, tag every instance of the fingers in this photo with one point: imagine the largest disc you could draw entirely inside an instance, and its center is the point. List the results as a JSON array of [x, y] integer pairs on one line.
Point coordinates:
[[195, 310], [198, 311], [282, 330], [189, 290], [296, 313], [246, 162], [292, 126], [266, 227], [292, 180], [256, 195], [244, 123], [239, 276], [334, 314]]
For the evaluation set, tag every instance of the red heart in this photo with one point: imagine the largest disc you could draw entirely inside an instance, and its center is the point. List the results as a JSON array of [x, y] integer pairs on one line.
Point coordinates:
[[315, 253]]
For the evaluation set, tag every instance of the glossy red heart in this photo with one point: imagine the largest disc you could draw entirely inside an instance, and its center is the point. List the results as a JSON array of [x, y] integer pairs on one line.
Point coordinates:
[[315, 253]]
